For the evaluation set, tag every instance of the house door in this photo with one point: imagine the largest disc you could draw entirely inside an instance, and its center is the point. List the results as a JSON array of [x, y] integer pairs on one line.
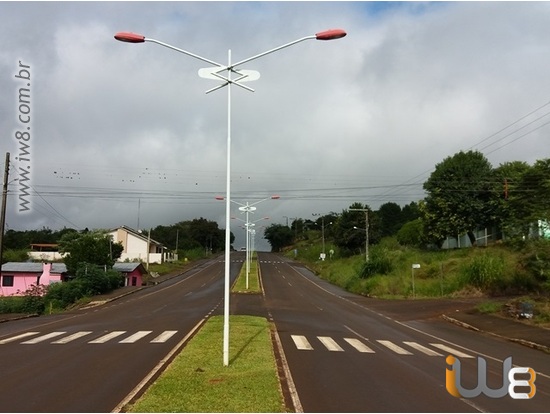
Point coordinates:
[[134, 281]]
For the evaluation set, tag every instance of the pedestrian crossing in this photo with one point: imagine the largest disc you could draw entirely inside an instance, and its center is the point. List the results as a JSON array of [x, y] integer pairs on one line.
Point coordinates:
[[364, 346], [63, 337]]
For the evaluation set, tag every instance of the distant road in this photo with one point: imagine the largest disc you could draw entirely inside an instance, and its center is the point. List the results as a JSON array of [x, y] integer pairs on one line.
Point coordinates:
[[89, 361], [345, 357]]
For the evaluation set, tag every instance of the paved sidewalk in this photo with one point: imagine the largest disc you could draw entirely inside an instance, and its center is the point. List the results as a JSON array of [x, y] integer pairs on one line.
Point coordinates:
[[463, 312], [507, 328]]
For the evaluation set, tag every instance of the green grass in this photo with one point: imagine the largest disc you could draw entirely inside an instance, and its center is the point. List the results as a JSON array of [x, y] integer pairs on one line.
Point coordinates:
[[443, 273], [253, 279], [489, 307], [197, 380]]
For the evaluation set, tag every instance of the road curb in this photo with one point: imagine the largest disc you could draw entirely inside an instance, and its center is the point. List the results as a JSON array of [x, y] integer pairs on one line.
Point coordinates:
[[524, 342]]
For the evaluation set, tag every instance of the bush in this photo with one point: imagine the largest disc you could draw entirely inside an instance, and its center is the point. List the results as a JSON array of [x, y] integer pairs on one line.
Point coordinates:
[[379, 263], [11, 304], [90, 280], [537, 260], [32, 301], [483, 271]]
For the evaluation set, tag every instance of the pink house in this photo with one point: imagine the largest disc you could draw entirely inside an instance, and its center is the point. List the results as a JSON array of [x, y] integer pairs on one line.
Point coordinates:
[[17, 277], [132, 271]]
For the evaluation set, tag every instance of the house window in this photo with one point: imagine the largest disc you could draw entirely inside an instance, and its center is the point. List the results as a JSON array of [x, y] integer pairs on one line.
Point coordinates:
[[7, 280]]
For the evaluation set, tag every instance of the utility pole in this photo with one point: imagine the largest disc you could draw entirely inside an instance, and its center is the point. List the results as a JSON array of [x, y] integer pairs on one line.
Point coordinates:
[[366, 211], [4, 200]]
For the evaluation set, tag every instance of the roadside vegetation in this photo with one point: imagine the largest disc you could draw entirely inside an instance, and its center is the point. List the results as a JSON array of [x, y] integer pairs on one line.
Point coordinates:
[[505, 276], [479, 231], [197, 381]]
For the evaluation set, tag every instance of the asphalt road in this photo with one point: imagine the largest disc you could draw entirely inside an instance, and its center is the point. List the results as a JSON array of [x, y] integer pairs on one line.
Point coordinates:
[[90, 360], [344, 356]]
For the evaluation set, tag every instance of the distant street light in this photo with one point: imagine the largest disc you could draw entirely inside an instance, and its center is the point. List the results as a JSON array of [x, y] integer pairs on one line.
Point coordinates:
[[249, 208], [323, 254], [366, 211], [242, 76]]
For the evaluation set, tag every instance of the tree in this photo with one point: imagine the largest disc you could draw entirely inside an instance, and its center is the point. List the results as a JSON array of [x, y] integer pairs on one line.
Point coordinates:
[[94, 247], [410, 212], [193, 234], [410, 234], [462, 196], [390, 218], [513, 207], [350, 239], [535, 191], [278, 236]]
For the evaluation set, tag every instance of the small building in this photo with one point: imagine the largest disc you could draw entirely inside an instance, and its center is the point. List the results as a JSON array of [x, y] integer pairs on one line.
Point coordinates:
[[132, 271], [45, 252], [17, 277], [139, 247]]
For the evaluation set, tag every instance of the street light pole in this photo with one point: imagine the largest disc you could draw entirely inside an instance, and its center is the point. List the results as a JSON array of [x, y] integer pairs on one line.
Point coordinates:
[[366, 211], [242, 76], [4, 202], [248, 208]]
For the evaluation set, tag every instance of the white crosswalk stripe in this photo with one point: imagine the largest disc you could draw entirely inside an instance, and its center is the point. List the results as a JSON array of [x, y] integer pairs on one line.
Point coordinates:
[[107, 337], [330, 343], [72, 337], [43, 338], [395, 348], [357, 344], [135, 337], [163, 337], [104, 338], [452, 351], [301, 342], [15, 338], [422, 349]]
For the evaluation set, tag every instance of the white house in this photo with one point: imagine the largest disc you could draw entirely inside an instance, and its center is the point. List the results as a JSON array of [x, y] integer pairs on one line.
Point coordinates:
[[138, 246]]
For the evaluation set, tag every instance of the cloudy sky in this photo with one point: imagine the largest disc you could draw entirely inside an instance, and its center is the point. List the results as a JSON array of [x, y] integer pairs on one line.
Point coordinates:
[[111, 133]]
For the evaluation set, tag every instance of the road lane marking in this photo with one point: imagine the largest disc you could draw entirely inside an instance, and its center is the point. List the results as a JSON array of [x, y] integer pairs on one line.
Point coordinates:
[[395, 348], [452, 351], [15, 338], [330, 343], [358, 345], [43, 338], [72, 337], [107, 337], [301, 342], [135, 337], [163, 337], [422, 349]]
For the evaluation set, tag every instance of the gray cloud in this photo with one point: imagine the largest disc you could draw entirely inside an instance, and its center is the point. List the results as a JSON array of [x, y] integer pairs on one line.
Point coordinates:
[[364, 118]]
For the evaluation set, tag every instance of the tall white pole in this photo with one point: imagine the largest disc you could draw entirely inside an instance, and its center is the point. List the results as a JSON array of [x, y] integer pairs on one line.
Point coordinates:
[[247, 245], [227, 224]]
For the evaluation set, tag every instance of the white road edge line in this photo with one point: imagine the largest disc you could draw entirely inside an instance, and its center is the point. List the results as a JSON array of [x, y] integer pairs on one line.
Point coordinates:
[[290, 382], [161, 363]]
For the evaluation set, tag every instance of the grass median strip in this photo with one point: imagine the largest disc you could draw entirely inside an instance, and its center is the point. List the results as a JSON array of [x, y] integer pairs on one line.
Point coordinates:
[[253, 279], [197, 380]]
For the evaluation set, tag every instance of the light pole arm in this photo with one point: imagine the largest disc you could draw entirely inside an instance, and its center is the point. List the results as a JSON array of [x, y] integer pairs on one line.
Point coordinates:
[[272, 50], [326, 35], [185, 52]]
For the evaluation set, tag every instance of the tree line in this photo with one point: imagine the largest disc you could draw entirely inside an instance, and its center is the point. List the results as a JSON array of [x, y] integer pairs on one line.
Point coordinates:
[[197, 234], [463, 193]]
